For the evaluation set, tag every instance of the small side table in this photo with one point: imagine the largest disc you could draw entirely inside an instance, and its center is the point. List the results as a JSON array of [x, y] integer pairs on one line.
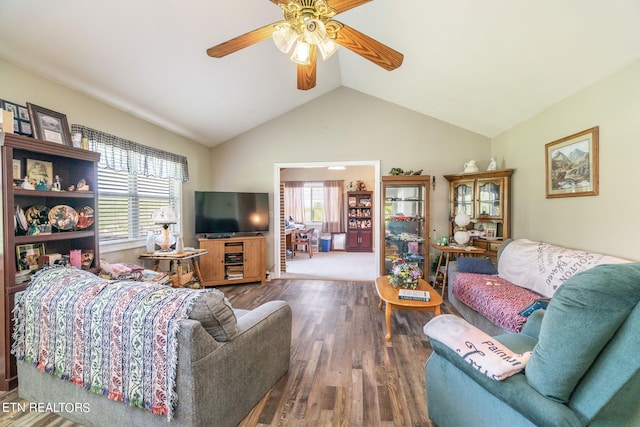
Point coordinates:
[[177, 258], [445, 252]]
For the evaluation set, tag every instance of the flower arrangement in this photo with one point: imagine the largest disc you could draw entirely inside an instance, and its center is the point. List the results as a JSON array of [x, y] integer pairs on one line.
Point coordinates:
[[405, 275]]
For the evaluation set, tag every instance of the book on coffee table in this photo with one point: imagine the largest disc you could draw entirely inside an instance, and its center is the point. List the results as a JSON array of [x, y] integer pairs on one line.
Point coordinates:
[[413, 295]]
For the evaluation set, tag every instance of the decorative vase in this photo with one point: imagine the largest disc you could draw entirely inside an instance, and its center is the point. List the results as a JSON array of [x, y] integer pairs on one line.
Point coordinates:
[[405, 275], [404, 283], [462, 237], [471, 166], [462, 219]]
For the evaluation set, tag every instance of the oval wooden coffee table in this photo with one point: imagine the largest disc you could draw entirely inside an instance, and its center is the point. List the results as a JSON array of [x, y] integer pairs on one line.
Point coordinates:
[[389, 295]]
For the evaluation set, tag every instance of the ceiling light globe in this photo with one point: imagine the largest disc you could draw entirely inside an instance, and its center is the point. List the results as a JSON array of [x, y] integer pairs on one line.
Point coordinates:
[[301, 53], [327, 48], [284, 37], [314, 31]]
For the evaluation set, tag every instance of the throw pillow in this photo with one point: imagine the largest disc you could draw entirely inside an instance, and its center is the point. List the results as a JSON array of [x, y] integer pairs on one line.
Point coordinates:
[[480, 350], [214, 311], [476, 265]]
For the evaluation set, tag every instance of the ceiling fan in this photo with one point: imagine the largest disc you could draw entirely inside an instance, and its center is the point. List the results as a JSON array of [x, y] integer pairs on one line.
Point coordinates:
[[308, 25]]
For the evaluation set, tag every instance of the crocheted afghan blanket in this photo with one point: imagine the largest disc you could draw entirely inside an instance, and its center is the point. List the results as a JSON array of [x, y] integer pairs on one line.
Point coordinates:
[[116, 338]]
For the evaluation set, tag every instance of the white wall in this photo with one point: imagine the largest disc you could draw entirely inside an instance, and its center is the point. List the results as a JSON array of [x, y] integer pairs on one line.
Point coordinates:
[[349, 125], [603, 223], [21, 86]]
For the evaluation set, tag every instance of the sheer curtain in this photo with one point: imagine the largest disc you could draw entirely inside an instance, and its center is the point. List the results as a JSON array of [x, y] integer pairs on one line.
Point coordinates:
[[333, 207], [294, 200]]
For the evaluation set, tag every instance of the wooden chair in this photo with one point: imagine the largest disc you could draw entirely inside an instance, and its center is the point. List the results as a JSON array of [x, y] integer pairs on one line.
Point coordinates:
[[303, 239]]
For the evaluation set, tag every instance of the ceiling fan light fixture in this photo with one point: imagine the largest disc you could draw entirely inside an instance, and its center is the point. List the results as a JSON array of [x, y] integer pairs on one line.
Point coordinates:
[[309, 25], [314, 31], [327, 48], [284, 37], [301, 53]]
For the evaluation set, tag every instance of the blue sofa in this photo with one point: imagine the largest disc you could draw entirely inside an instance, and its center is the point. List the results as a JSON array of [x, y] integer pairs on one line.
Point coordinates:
[[584, 369]]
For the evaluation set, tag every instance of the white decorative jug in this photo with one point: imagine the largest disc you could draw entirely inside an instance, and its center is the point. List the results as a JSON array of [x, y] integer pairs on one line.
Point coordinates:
[[471, 166]]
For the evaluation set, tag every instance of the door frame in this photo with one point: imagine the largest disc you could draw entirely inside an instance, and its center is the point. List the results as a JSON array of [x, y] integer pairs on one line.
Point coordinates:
[[277, 196]]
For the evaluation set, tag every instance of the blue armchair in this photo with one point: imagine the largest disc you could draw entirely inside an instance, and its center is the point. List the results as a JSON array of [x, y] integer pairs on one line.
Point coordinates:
[[584, 369]]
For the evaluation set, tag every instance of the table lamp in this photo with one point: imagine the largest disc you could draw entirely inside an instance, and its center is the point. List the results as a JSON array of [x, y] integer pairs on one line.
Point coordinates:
[[461, 235], [165, 216]]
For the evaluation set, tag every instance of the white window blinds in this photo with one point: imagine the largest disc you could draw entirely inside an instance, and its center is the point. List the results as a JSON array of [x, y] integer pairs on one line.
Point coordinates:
[[133, 181]]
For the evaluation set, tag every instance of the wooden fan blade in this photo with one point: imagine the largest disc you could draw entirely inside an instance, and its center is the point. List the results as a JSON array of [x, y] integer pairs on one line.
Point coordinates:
[[280, 1], [369, 48], [343, 5], [307, 73], [240, 42]]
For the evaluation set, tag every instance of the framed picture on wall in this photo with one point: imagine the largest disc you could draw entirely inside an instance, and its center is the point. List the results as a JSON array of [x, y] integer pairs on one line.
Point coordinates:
[[49, 125], [572, 165], [27, 255], [38, 170], [17, 169], [21, 120]]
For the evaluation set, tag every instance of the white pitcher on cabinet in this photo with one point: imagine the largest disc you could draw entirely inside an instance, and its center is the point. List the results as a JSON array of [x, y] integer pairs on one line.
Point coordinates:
[[471, 166]]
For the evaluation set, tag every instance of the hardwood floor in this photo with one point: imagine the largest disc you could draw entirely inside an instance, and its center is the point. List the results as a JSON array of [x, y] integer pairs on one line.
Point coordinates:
[[342, 371]]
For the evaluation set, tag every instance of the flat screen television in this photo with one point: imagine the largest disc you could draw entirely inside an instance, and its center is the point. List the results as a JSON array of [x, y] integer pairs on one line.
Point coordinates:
[[222, 213]]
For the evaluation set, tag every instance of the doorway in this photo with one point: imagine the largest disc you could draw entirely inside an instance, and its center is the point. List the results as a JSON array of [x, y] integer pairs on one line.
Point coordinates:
[[367, 171]]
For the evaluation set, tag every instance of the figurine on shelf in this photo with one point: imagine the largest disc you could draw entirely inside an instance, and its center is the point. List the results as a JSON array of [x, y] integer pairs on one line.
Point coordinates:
[[42, 186], [26, 184], [82, 185], [57, 184], [33, 230], [492, 165]]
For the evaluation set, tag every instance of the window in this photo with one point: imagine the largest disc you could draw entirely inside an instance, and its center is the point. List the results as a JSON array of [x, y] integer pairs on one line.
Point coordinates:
[[126, 201], [133, 181], [313, 202]]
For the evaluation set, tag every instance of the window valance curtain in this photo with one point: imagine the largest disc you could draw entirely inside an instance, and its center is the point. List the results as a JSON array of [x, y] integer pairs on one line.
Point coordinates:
[[122, 155]]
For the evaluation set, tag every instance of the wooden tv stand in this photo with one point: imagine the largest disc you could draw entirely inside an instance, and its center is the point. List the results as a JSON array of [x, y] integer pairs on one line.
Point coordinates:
[[233, 260]]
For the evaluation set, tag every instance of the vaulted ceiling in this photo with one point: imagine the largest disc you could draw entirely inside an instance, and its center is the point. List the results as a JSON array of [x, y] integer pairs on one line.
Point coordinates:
[[484, 65]]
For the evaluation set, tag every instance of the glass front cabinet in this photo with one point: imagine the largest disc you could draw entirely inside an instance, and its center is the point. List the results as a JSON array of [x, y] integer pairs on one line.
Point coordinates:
[[405, 225], [485, 197]]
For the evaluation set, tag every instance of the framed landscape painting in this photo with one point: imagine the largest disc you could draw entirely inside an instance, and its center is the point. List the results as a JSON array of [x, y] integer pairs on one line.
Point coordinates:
[[572, 165]]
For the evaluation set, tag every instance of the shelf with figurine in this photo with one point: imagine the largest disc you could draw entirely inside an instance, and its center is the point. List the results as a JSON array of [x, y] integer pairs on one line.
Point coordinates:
[[50, 202], [405, 224]]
